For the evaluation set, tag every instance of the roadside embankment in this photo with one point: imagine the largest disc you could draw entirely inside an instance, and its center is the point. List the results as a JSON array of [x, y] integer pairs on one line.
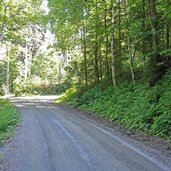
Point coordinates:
[[9, 119], [138, 107]]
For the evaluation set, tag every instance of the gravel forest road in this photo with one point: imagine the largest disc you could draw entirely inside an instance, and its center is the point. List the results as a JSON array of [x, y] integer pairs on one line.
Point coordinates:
[[53, 138]]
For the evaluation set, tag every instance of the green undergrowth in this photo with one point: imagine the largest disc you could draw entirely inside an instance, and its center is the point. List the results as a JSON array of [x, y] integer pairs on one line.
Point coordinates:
[[30, 88], [9, 119], [140, 107]]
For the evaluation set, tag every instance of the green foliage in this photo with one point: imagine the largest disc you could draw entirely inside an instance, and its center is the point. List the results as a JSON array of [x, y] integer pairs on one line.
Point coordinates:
[[16, 17], [36, 86], [2, 77], [162, 123], [140, 107], [9, 119], [69, 95], [142, 38]]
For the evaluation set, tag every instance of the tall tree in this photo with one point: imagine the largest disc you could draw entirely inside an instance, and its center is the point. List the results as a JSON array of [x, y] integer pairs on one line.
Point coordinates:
[[113, 43]]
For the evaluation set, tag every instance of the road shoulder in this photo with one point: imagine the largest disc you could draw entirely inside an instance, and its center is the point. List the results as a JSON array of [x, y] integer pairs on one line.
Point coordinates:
[[156, 147]]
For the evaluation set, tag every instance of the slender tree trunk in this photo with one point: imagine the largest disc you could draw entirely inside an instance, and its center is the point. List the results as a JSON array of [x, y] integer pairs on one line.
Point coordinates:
[[154, 70], [7, 70], [119, 54], [155, 39], [143, 41], [100, 62], [107, 44], [96, 64], [85, 53], [129, 45], [119, 23], [167, 36], [113, 43], [26, 62]]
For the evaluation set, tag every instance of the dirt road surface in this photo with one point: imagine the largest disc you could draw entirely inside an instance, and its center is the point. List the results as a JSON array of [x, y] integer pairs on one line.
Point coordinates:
[[53, 138]]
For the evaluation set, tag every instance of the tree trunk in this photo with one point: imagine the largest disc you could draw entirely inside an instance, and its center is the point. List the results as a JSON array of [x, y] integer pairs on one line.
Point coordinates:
[[26, 63], [167, 36], [113, 43], [85, 53], [129, 45], [107, 44], [119, 54], [143, 48], [96, 65], [7, 70], [153, 13], [155, 71], [96, 62], [100, 62]]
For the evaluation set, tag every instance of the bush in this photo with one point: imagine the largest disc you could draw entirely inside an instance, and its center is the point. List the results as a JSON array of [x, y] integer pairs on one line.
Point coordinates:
[[141, 107], [9, 118], [37, 87], [162, 125], [69, 95]]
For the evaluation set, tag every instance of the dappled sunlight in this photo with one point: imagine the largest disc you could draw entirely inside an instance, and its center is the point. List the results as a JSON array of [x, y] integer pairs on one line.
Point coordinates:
[[112, 58], [39, 98], [36, 102]]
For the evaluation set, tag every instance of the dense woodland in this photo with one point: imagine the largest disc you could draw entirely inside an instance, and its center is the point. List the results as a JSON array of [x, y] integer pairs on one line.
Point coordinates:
[[25, 68], [122, 70], [120, 40]]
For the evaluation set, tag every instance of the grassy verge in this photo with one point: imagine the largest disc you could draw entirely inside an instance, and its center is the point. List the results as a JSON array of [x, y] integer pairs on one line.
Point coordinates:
[[9, 119], [141, 107]]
